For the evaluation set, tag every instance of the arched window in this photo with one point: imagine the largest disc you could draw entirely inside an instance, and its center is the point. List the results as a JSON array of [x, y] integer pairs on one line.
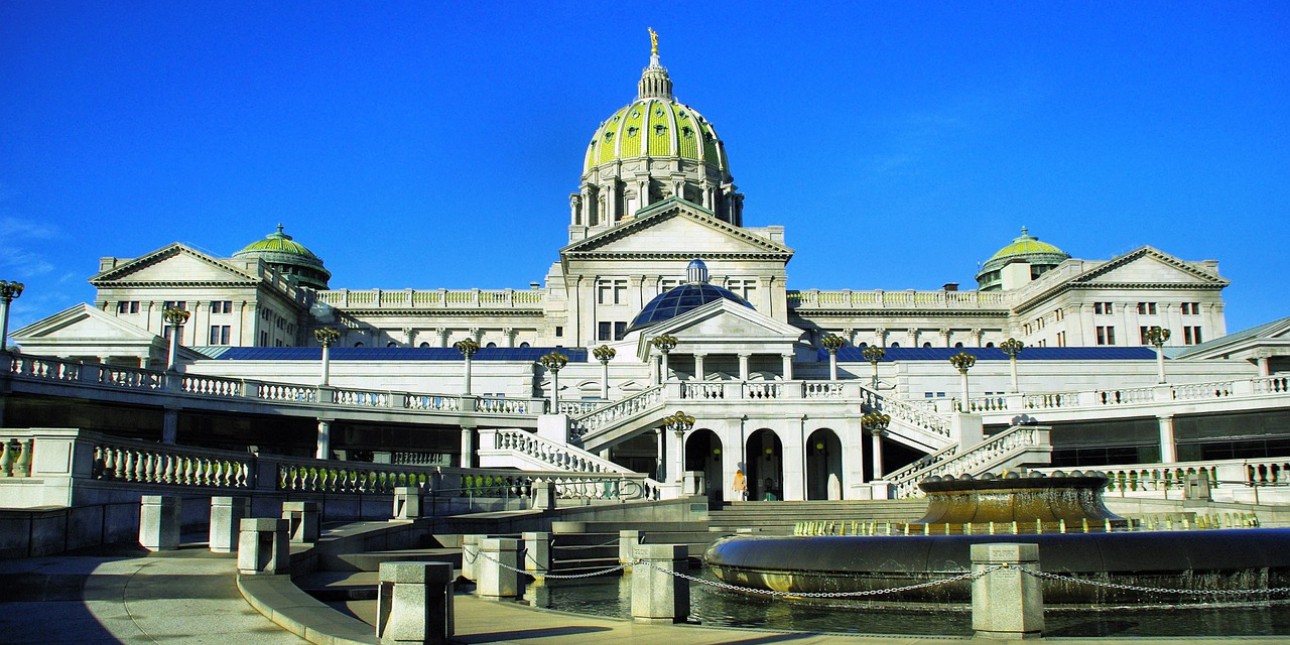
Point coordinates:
[[491, 345], [424, 345], [990, 344], [927, 345], [895, 345], [958, 345], [863, 345], [391, 344], [358, 344], [524, 345]]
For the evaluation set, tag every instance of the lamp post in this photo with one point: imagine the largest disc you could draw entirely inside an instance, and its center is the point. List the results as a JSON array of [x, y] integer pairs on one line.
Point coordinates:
[[9, 291], [326, 336], [175, 317], [604, 354], [963, 361], [665, 344], [1012, 347], [1157, 336], [554, 362], [876, 423], [833, 343], [873, 354], [679, 423], [467, 348]]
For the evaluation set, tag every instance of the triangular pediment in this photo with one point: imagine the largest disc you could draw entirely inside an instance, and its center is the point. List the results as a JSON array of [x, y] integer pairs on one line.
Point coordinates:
[[723, 326], [1148, 266], [174, 264], [676, 229], [82, 325]]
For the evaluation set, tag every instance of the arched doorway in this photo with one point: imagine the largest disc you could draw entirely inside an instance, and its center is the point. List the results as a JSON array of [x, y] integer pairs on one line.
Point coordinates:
[[703, 453], [765, 465], [824, 465]]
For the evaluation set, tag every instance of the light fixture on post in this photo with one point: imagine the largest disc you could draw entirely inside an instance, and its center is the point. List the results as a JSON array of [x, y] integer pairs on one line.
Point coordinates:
[[876, 423], [873, 354], [554, 362], [963, 361], [664, 344], [9, 291], [1158, 336], [326, 337], [1012, 347], [832, 343], [467, 347], [604, 354], [175, 317], [679, 423]]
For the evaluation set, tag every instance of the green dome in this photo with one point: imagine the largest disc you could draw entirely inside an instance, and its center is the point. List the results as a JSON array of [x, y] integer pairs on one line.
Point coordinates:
[[290, 258], [655, 127], [1041, 256]]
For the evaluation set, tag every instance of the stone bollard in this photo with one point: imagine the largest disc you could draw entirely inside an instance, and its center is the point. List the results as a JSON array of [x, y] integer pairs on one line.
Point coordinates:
[[226, 522], [407, 503], [497, 568], [470, 556], [537, 553], [159, 522], [544, 495], [262, 547], [304, 520], [414, 602], [628, 540], [1007, 603], [658, 596]]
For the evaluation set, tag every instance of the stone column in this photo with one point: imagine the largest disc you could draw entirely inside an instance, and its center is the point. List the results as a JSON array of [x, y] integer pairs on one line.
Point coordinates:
[[876, 448], [1168, 447], [788, 366], [170, 426], [661, 452], [698, 367], [227, 514], [322, 449], [743, 366], [414, 602], [658, 596], [262, 547], [159, 522], [497, 564], [678, 459], [1007, 603], [467, 447]]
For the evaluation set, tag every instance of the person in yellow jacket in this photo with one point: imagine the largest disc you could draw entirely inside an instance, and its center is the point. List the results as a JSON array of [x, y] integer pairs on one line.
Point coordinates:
[[740, 486]]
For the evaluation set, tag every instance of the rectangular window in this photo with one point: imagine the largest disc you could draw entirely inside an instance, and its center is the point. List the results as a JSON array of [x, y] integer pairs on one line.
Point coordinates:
[[1061, 339], [264, 339], [1105, 335], [1191, 308], [1191, 335], [1147, 308], [175, 304], [620, 330], [127, 307], [604, 330], [221, 306], [611, 292], [219, 334], [559, 331], [1102, 308]]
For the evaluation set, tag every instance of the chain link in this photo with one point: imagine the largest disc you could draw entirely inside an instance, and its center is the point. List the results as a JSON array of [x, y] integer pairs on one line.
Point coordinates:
[[548, 574], [1123, 587], [969, 576]]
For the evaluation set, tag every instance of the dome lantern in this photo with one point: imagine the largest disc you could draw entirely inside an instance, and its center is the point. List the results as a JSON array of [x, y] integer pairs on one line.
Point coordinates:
[[1022, 260], [289, 258]]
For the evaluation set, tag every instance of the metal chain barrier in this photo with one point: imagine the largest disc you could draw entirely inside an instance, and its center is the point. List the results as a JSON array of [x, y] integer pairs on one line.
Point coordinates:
[[1122, 587], [546, 574], [969, 576]]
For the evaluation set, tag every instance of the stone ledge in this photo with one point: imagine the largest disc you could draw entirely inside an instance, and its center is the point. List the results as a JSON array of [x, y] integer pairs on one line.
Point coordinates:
[[281, 601]]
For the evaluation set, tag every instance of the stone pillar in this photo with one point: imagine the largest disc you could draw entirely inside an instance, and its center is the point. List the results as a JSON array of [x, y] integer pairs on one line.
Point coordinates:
[[467, 447], [788, 367], [1168, 447], [170, 425], [303, 521], [698, 367], [407, 502], [678, 459], [414, 602], [497, 567], [743, 366], [159, 522], [628, 540], [544, 495], [661, 451], [537, 553], [1007, 603], [262, 547], [1265, 366], [323, 448], [876, 448], [227, 514], [658, 596], [470, 556]]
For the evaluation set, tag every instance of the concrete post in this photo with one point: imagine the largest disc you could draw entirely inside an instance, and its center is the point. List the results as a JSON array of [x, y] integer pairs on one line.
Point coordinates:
[[303, 518], [467, 446], [497, 566], [322, 447], [226, 522], [414, 602], [407, 503], [1007, 603], [537, 553], [170, 426], [159, 522], [470, 557], [1168, 447], [262, 547], [544, 495], [658, 596], [628, 540], [695, 483]]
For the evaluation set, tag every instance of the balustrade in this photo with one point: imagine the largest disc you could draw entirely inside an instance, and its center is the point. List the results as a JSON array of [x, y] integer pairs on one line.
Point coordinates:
[[154, 465], [15, 457], [644, 401], [210, 386], [281, 392], [975, 460]]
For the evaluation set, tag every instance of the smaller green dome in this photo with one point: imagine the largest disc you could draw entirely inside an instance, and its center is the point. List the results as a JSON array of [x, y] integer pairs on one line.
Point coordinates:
[[290, 258], [1041, 256]]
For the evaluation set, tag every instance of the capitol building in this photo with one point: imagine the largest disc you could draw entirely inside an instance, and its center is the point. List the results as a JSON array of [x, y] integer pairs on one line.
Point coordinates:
[[683, 353]]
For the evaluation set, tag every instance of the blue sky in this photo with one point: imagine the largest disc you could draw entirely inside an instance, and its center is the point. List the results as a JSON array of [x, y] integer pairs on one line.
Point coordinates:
[[432, 145]]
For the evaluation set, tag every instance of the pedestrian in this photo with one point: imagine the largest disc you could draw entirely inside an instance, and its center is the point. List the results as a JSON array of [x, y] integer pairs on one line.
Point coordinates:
[[740, 485]]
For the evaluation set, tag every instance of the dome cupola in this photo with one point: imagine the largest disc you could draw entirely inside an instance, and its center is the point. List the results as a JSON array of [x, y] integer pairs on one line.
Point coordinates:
[[1027, 250], [290, 258], [695, 293], [651, 149]]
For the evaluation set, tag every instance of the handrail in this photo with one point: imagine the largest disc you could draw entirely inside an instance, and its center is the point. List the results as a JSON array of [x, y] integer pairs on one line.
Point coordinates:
[[977, 459]]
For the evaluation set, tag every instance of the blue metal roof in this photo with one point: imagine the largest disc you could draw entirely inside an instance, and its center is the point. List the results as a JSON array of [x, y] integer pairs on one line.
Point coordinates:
[[855, 355], [524, 354]]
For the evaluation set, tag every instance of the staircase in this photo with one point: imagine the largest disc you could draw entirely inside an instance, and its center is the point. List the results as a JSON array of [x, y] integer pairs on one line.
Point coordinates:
[[1014, 447], [618, 421], [779, 518]]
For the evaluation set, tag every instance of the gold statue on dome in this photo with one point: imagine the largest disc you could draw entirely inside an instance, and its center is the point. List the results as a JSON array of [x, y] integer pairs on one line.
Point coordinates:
[[653, 41]]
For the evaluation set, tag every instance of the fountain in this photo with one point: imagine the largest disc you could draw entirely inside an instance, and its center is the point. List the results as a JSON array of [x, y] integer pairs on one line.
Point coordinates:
[[1078, 539]]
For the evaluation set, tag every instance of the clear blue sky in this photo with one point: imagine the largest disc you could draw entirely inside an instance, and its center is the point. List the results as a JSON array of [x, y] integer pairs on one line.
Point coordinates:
[[434, 145]]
